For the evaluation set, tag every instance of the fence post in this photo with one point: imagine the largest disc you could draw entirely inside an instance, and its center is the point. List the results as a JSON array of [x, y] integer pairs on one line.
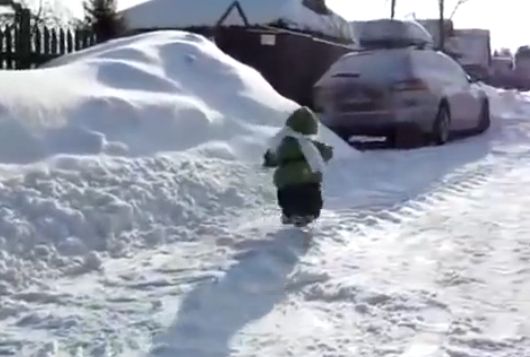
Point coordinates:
[[2, 53], [23, 41], [10, 36]]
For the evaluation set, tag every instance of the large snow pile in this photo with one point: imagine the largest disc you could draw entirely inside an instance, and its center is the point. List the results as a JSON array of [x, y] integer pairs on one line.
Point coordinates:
[[162, 91], [140, 141], [507, 103], [184, 13]]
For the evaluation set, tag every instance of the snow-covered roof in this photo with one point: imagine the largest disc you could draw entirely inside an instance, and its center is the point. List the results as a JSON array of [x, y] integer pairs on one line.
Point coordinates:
[[188, 13]]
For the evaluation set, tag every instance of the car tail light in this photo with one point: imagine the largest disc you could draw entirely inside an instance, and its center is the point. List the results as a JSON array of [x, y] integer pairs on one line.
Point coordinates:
[[409, 85]]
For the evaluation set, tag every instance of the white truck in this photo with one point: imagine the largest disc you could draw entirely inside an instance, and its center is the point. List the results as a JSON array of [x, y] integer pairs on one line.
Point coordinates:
[[473, 51], [470, 47]]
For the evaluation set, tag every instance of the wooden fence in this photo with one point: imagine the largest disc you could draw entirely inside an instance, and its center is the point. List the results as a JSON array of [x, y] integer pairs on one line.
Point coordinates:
[[23, 46]]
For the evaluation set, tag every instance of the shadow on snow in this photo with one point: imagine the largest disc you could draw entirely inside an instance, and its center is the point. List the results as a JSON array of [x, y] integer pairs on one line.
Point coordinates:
[[212, 313]]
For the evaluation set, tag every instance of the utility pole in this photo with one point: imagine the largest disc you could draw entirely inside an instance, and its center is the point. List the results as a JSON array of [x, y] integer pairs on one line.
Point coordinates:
[[441, 5], [393, 9]]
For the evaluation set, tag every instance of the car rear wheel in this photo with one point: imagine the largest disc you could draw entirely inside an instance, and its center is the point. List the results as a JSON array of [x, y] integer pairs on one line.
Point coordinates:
[[485, 118], [442, 126]]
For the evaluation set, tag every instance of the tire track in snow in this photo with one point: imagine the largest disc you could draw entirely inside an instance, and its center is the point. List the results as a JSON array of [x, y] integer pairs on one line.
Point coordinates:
[[364, 215], [437, 329], [454, 185], [462, 326], [312, 283], [507, 147]]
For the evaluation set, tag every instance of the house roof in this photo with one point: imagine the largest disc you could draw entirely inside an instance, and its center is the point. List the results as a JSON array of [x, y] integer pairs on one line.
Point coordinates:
[[194, 13]]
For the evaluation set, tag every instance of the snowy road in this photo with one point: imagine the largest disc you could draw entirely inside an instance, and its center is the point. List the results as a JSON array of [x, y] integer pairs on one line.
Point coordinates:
[[426, 254], [443, 273]]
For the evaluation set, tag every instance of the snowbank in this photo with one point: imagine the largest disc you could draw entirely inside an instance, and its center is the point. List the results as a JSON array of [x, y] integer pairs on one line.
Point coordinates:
[[142, 141], [163, 91], [507, 103], [185, 13]]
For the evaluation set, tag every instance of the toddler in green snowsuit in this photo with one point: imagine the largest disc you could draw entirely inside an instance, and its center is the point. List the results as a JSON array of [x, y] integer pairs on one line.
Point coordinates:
[[299, 161]]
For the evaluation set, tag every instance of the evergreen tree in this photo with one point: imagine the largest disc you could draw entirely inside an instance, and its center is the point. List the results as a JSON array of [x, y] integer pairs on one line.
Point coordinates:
[[102, 17]]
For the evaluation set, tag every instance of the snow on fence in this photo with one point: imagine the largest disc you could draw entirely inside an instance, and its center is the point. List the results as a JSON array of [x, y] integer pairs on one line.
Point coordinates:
[[23, 46], [42, 45]]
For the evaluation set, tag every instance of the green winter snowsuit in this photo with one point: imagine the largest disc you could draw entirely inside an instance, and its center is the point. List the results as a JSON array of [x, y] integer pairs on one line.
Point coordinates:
[[292, 167]]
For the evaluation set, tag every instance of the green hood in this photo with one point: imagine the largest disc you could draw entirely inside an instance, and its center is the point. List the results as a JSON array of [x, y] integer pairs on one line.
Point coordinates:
[[303, 121]]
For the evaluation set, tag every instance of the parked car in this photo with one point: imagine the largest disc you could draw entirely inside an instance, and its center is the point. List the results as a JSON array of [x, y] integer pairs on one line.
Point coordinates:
[[399, 92]]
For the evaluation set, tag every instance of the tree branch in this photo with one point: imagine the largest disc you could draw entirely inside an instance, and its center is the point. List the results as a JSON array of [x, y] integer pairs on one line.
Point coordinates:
[[458, 4]]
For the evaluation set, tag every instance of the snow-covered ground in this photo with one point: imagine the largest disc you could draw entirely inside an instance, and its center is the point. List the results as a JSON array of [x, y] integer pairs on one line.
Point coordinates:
[[136, 220]]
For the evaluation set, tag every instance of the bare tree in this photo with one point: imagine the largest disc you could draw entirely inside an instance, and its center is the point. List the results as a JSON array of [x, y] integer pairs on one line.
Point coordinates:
[[441, 9], [44, 14], [457, 5], [393, 9]]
